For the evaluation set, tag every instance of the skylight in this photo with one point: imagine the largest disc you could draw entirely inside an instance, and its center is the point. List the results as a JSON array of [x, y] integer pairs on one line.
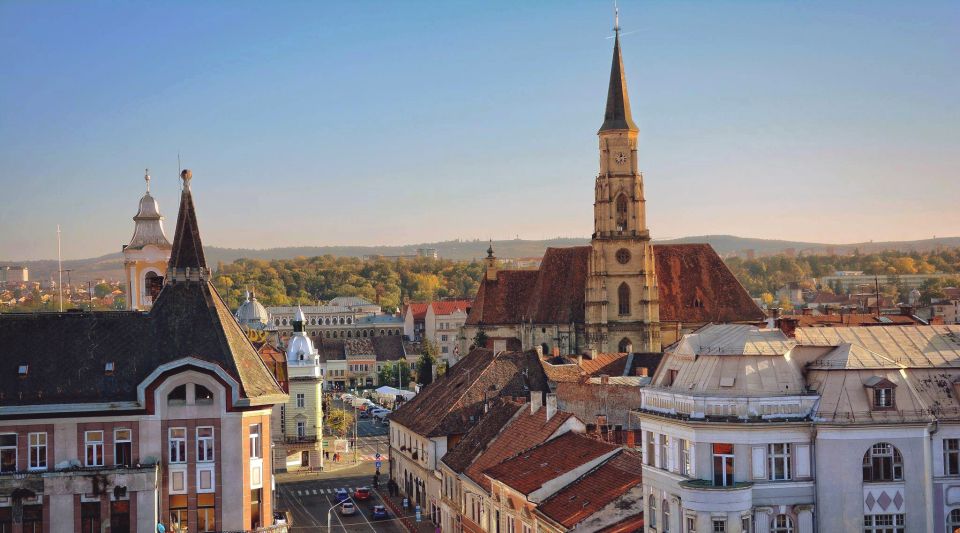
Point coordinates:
[[108, 367], [23, 370]]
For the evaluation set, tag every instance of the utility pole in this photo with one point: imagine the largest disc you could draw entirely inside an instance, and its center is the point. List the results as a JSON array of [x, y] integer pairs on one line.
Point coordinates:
[[60, 268], [356, 421]]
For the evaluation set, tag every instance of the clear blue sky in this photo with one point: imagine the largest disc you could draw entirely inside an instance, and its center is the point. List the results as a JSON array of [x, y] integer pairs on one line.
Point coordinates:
[[310, 123]]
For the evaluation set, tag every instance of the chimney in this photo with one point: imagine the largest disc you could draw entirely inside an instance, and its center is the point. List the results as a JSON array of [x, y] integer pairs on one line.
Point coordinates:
[[788, 326], [536, 401], [807, 311], [601, 421], [604, 379], [551, 405], [539, 350], [643, 371], [579, 360], [555, 351], [776, 312]]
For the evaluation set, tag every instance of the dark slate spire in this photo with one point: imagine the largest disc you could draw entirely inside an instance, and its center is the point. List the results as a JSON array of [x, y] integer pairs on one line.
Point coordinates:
[[187, 248], [617, 116]]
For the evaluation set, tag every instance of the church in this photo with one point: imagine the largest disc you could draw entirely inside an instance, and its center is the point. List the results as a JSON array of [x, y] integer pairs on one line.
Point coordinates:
[[621, 293]]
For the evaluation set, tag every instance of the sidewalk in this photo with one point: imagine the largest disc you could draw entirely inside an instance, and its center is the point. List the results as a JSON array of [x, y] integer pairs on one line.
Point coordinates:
[[408, 518], [328, 467]]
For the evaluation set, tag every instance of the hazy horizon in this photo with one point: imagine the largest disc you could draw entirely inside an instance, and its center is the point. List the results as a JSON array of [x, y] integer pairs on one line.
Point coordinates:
[[390, 124]]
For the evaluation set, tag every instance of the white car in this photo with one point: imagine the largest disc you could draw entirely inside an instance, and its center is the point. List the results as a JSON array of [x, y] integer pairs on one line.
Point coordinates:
[[348, 509], [380, 414]]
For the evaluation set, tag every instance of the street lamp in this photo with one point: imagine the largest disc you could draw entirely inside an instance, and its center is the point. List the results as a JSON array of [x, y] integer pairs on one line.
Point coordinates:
[[331, 510]]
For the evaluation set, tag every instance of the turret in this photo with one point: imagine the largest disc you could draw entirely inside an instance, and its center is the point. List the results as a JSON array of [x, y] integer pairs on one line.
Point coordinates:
[[491, 262]]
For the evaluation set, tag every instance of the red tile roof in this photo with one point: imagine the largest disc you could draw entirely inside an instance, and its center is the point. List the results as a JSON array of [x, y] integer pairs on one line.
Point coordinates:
[[611, 364], [695, 287], [524, 432], [528, 471], [448, 307], [419, 310], [595, 490], [491, 424]]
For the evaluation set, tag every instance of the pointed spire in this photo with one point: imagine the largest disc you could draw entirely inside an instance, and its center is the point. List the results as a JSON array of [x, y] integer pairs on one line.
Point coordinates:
[[617, 115], [490, 249], [187, 248]]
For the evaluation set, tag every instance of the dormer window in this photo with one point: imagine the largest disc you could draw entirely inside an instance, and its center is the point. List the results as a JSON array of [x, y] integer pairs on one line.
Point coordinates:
[[23, 370], [202, 395], [108, 368], [178, 396], [882, 392]]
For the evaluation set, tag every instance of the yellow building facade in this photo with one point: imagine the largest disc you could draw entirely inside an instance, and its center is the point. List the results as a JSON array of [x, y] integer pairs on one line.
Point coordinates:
[[145, 258]]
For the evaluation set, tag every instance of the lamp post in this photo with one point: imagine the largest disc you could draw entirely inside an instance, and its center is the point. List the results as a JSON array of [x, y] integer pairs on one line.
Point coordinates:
[[331, 510]]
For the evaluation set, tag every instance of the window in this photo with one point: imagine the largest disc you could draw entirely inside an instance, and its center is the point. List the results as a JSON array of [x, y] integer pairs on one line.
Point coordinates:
[[255, 441], [178, 395], [511, 525], [33, 520], [301, 400], [666, 517], [443, 338], [951, 457], [37, 443], [953, 521], [255, 508], [178, 511], [719, 525], [202, 395], [178, 445], [684, 446], [653, 510], [623, 299], [782, 524], [108, 368], [745, 523], [444, 349], [691, 524], [623, 256], [778, 455], [723, 465], [301, 429], [664, 452], [621, 213], [882, 462], [883, 523], [206, 513], [8, 452], [205, 444], [122, 447], [651, 449], [883, 398], [94, 446], [23, 370]]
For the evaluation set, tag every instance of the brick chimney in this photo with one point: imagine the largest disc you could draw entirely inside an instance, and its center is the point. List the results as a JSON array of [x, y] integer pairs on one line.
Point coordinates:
[[643, 371], [788, 326], [604, 379], [555, 351], [551, 405]]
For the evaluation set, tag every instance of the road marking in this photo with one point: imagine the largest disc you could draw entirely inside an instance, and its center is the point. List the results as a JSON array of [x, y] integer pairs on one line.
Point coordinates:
[[314, 492]]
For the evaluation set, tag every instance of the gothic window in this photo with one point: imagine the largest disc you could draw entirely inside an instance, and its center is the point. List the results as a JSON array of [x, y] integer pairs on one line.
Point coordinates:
[[622, 212], [623, 297], [624, 345], [623, 256], [882, 462]]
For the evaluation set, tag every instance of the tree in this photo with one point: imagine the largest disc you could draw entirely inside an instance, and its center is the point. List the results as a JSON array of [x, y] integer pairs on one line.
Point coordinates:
[[339, 422], [388, 374], [480, 339], [428, 356], [102, 289]]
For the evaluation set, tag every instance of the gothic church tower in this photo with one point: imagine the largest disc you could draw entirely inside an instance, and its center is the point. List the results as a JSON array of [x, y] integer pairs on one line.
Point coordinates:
[[622, 309]]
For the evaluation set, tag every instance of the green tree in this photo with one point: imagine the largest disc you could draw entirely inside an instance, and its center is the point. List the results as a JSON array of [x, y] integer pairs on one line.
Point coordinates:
[[102, 289], [428, 357], [480, 339], [339, 422]]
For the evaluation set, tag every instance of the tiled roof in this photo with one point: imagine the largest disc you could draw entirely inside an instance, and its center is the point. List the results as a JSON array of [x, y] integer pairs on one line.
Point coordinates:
[[695, 286], [358, 347], [388, 348], [530, 470], [595, 490], [419, 310], [451, 404], [524, 432], [952, 293], [331, 349], [187, 249], [562, 370], [852, 319], [476, 440], [448, 307], [611, 364]]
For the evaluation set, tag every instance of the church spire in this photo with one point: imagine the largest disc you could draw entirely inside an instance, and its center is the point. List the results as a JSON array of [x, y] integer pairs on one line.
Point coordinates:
[[617, 115], [187, 248]]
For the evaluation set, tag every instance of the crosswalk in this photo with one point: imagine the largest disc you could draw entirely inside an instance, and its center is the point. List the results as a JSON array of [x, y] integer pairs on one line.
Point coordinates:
[[319, 492]]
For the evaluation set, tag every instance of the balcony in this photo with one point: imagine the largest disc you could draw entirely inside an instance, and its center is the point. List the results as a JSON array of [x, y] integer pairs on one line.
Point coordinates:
[[78, 480], [727, 407], [706, 484]]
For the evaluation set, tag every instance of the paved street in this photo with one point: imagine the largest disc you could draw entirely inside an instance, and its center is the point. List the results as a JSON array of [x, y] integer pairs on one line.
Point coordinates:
[[310, 499]]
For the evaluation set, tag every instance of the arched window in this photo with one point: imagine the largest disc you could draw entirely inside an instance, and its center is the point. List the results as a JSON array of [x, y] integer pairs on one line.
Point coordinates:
[[349, 320], [284, 321], [653, 511], [381, 333], [953, 521], [545, 348], [389, 332], [313, 321], [341, 320], [622, 212], [349, 334], [782, 524], [152, 284], [334, 334], [623, 299], [364, 334], [276, 322], [178, 395], [202, 394], [882, 462], [625, 345], [328, 321], [328, 335]]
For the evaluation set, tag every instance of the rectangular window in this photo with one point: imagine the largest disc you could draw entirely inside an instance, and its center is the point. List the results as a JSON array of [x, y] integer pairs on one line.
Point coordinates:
[[122, 447], [511, 525], [8, 452], [178, 512], [653, 510], [33, 519], [691, 524], [719, 525], [664, 452], [178, 445], [255, 507], [120, 516], [301, 429], [90, 517], [951, 457], [301, 400], [722, 465], [651, 449], [883, 398], [255, 441], [443, 338], [778, 457], [684, 446], [38, 451], [883, 523], [94, 445], [205, 444], [206, 513]]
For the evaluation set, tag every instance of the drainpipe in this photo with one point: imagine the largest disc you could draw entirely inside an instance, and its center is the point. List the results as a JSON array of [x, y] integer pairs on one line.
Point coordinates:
[[930, 430], [813, 470]]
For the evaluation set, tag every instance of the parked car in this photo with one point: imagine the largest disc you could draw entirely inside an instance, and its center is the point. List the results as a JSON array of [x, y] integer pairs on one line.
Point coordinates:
[[364, 414], [348, 509], [342, 495], [283, 518], [381, 414], [379, 512], [362, 493]]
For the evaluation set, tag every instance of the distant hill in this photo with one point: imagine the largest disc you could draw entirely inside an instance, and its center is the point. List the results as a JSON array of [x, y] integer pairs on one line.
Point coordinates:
[[111, 266]]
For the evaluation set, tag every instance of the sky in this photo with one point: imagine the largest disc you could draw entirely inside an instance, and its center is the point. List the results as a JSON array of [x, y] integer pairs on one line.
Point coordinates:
[[364, 123]]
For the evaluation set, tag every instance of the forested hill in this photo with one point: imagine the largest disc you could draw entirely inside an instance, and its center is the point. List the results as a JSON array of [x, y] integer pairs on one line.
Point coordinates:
[[110, 266]]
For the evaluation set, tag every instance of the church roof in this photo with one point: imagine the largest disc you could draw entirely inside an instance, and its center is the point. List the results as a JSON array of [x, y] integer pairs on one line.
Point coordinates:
[[617, 115], [695, 286], [148, 224], [188, 320]]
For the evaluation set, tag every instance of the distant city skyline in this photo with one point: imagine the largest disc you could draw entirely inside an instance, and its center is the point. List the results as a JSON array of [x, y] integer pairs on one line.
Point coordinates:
[[402, 123]]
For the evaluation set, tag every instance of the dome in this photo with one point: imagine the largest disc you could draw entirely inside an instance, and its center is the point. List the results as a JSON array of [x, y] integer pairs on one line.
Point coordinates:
[[252, 313], [300, 348], [148, 208]]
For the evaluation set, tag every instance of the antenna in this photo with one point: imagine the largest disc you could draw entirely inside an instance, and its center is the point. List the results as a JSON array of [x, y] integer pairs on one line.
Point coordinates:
[[60, 268], [616, 17], [179, 169]]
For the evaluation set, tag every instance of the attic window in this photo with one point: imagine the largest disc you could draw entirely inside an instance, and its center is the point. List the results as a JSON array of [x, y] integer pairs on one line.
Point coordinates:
[[108, 368], [23, 370], [202, 394], [726, 382], [178, 395], [883, 398]]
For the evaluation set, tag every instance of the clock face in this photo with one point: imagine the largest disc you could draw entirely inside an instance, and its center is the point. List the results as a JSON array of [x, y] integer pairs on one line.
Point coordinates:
[[621, 158]]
